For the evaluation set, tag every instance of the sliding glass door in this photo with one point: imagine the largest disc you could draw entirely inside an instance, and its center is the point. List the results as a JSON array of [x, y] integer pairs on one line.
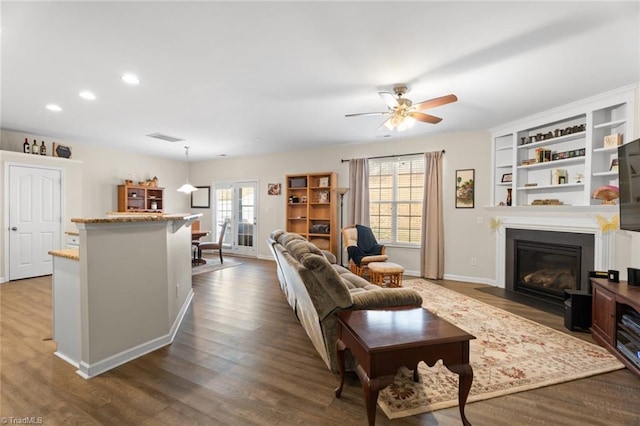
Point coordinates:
[[237, 203]]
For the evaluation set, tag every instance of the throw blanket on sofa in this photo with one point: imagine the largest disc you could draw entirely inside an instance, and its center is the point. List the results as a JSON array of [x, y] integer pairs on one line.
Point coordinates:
[[367, 245]]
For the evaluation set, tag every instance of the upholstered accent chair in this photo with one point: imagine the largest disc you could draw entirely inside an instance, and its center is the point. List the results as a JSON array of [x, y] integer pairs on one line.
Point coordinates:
[[213, 245], [361, 255]]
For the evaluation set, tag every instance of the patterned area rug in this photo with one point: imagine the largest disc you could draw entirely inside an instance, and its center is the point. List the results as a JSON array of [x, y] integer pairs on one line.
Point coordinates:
[[510, 354], [214, 265]]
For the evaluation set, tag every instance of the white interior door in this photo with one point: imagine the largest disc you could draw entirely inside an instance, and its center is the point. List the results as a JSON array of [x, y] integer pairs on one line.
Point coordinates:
[[237, 202], [34, 220]]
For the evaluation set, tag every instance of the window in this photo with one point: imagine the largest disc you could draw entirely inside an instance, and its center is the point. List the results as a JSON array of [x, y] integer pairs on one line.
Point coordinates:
[[396, 188]]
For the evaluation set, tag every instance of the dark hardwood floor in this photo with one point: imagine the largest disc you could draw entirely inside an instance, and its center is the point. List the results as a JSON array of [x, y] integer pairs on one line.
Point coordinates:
[[241, 358]]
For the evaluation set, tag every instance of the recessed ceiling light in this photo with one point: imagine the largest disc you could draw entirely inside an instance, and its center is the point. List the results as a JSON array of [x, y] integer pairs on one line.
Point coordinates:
[[131, 79], [87, 95], [54, 107]]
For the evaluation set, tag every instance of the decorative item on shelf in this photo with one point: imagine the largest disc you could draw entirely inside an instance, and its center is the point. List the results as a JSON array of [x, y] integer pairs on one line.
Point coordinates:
[[612, 141], [607, 193], [62, 151], [323, 182], [507, 178], [579, 177], [293, 200], [508, 201], [547, 202], [320, 228], [154, 182], [614, 165], [559, 177], [530, 185], [303, 199], [323, 196], [26, 148], [154, 205], [128, 182], [43, 149]]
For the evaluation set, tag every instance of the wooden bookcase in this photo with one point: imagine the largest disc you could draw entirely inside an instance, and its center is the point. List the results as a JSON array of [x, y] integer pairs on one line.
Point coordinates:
[[312, 207], [134, 198]]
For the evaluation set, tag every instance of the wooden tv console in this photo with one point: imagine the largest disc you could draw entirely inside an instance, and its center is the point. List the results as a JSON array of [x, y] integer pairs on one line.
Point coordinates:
[[612, 301]]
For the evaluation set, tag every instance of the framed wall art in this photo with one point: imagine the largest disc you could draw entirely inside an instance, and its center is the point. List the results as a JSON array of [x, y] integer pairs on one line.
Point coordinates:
[[465, 185], [201, 199], [274, 188]]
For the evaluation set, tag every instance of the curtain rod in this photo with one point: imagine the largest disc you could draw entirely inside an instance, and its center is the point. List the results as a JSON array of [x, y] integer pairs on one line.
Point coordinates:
[[390, 156]]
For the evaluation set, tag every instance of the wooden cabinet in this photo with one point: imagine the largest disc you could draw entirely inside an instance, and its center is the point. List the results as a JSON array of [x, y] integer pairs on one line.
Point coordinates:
[[616, 320], [561, 154], [604, 315], [312, 208], [133, 198]]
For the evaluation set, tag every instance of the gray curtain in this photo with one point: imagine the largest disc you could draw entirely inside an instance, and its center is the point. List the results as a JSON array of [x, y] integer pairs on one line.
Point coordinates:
[[359, 188], [432, 243]]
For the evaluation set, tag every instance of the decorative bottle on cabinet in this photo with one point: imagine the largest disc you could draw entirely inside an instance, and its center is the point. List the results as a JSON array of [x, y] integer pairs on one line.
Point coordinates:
[[34, 148], [43, 149], [26, 148]]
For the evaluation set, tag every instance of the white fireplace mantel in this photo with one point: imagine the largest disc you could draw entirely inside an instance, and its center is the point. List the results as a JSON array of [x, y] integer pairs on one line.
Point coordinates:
[[580, 219]]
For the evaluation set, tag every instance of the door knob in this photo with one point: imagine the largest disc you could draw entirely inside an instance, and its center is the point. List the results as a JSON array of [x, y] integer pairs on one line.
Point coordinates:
[[14, 228]]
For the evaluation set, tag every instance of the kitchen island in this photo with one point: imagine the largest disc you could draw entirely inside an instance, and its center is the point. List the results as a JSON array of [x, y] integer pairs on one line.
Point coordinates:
[[124, 291]]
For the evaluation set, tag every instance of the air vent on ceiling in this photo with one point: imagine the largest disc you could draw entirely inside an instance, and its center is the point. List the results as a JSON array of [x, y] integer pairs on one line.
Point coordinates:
[[165, 137]]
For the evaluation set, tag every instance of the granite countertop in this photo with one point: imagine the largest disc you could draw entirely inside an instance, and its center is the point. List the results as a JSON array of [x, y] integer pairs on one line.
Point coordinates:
[[73, 254], [150, 217]]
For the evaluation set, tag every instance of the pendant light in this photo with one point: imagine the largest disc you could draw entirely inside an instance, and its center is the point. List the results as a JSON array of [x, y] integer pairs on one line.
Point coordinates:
[[187, 188]]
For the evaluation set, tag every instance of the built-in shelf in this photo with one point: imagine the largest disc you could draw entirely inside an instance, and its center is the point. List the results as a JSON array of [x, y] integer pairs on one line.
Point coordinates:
[[551, 141], [554, 163], [558, 187], [609, 124], [591, 120]]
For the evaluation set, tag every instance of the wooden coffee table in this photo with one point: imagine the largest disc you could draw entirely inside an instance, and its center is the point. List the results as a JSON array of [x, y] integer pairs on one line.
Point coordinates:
[[384, 340]]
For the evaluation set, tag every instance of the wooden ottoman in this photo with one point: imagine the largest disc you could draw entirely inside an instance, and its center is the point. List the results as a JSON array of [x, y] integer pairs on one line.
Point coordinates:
[[380, 271]]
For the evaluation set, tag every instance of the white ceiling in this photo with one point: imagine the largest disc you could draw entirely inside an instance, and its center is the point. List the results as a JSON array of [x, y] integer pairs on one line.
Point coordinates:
[[240, 78]]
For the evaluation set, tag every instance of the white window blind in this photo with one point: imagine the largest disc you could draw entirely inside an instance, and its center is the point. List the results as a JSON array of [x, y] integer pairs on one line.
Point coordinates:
[[396, 188]]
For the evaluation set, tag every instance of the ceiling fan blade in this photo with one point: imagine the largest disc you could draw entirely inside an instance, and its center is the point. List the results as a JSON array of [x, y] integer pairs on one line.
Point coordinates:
[[366, 113], [425, 118], [389, 99], [432, 103]]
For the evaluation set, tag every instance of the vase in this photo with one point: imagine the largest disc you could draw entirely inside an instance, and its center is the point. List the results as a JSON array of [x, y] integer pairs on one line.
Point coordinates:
[[508, 196]]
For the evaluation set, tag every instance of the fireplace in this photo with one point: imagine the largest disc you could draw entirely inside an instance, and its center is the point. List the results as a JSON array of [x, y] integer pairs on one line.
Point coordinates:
[[542, 264]]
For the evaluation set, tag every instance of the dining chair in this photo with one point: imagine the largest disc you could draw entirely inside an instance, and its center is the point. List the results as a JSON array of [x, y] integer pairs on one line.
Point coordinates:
[[206, 245]]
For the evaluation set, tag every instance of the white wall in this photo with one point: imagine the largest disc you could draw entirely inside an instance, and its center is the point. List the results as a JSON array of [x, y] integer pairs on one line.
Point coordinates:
[[103, 169], [464, 236], [92, 180]]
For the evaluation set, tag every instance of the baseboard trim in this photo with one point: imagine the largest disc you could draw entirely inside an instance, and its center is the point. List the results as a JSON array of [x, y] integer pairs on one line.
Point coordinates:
[[66, 359], [88, 371], [467, 279]]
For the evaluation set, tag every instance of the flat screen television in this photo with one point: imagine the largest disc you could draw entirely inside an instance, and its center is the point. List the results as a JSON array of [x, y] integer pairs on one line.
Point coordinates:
[[629, 183]]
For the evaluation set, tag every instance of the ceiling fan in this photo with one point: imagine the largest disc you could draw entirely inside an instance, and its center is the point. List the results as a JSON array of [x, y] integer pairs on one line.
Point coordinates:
[[403, 113]]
